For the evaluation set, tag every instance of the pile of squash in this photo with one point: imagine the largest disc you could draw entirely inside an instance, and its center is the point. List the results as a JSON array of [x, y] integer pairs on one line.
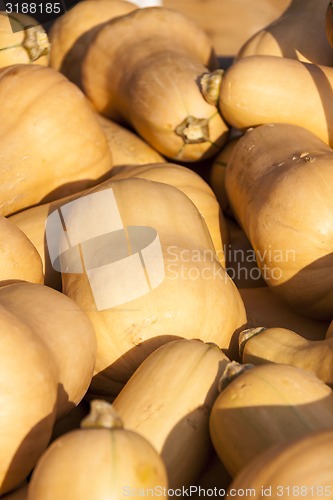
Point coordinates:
[[218, 373]]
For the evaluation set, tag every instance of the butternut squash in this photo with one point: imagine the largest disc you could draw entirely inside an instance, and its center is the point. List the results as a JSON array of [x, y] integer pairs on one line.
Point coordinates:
[[71, 33], [291, 230], [100, 460], [41, 151], [192, 297], [126, 147], [175, 421], [32, 221], [28, 395], [194, 187], [280, 345], [267, 309], [156, 85], [19, 259], [299, 33], [290, 470], [265, 405], [22, 40], [266, 89], [65, 331]]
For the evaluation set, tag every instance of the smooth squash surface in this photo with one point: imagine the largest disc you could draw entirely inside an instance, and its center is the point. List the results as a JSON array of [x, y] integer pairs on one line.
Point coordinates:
[[40, 148], [291, 230], [195, 299], [266, 89], [157, 58]]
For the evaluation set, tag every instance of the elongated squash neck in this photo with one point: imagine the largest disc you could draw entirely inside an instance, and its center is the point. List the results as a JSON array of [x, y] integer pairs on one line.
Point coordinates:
[[102, 416]]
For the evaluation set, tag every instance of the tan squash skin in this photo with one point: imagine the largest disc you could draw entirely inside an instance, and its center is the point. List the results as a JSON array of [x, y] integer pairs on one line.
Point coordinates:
[[71, 32], [29, 381], [267, 309], [266, 405], [290, 230], [27, 44], [195, 299], [127, 148], [280, 345], [19, 259], [100, 460], [156, 57], [266, 89], [175, 421], [301, 468], [65, 331], [40, 148], [32, 221], [194, 187], [299, 33]]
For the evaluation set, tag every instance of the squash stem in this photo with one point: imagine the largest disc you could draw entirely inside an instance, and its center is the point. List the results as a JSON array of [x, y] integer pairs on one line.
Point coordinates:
[[232, 371], [36, 42], [210, 84], [247, 334], [193, 130], [102, 415]]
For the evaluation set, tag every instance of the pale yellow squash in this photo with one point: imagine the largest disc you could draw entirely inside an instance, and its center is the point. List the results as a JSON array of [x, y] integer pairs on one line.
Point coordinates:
[[280, 345], [193, 296], [265, 405], [65, 331], [291, 230], [28, 397], [42, 155], [290, 470], [157, 58], [70, 33], [101, 460], [32, 221], [168, 401], [266, 89], [19, 259]]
